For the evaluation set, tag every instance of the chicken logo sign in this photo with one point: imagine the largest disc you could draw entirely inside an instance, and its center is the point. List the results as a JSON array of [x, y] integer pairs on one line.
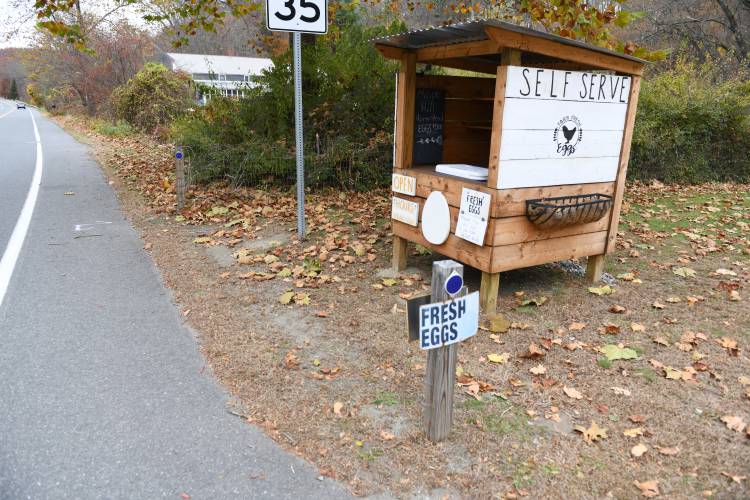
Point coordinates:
[[545, 112], [567, 135]]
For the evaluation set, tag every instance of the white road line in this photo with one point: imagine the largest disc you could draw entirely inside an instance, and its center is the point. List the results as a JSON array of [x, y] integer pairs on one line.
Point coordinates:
[[8, 112], [15, 243]]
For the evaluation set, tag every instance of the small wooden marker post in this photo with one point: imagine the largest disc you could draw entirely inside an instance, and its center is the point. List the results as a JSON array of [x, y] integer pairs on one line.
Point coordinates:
[[179, 160], [440, 376]]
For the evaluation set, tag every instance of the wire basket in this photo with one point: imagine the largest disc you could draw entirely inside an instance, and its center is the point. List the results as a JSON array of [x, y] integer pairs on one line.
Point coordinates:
[[552, 213]]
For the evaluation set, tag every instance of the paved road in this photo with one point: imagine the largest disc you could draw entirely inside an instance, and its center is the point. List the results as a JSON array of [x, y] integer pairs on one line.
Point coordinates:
[[102, 392]]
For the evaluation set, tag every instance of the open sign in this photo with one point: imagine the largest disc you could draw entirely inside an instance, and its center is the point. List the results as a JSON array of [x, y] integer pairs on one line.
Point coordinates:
[[448, 322]]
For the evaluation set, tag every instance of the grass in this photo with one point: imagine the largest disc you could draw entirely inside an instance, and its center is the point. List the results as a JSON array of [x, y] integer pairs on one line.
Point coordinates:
[[386, 399], [646, 373], [118, 129]]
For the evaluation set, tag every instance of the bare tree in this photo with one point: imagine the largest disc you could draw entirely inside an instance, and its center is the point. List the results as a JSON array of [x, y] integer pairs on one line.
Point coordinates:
[[706, 27]]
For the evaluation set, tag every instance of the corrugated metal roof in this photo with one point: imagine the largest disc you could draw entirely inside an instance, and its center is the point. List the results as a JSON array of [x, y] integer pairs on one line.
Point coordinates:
[[474, 31]]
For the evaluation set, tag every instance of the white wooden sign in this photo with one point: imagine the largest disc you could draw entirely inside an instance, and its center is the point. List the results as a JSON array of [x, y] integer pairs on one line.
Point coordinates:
[[561, 127], [473, 216], [405, 211], [404, 184], [448, 322], [436, 218], [303, 16]]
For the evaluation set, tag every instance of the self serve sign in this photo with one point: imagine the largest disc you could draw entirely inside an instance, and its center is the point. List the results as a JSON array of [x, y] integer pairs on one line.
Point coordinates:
[[448, 322]]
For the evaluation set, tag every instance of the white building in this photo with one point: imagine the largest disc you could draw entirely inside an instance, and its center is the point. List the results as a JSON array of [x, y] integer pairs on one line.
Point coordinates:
[[229, 76]]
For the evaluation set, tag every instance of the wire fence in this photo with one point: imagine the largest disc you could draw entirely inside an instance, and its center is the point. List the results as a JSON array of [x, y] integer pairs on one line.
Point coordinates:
[[328, 165]]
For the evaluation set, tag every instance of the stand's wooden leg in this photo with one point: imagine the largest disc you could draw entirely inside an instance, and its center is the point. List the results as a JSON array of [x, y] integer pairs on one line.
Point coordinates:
[[399, 253], [488, 291], [594, 268]]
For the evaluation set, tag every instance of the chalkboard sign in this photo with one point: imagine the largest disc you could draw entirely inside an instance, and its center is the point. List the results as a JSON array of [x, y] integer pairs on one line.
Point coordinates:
[[428, 126]]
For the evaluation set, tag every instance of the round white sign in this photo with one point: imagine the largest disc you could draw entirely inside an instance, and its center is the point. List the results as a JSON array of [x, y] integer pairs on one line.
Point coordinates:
[[436, 218]]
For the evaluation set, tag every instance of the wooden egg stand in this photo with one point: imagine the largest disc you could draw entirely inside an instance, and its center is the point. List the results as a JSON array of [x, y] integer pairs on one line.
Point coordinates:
[[472, 134]]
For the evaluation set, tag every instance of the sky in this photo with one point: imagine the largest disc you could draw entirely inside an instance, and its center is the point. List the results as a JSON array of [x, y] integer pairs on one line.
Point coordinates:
[[11, 16]]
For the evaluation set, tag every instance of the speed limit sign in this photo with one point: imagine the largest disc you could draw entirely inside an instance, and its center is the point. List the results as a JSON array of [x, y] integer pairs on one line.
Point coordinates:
[[303, 16]]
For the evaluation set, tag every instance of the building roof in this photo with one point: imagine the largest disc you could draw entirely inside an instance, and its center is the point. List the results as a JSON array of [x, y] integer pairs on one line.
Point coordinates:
[[474, 32], [220, 65]]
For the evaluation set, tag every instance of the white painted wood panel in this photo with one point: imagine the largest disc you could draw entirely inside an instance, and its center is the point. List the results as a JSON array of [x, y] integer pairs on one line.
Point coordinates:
[[532, 114], [557, 172], [561, 127], [538, 144], [537, 83]]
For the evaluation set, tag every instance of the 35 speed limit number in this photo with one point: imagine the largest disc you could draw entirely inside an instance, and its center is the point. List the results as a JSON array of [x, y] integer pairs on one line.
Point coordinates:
[[305, 16]]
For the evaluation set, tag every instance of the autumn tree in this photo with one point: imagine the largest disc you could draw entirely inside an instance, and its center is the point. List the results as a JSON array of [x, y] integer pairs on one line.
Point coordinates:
[[86, 79], [13, 92]]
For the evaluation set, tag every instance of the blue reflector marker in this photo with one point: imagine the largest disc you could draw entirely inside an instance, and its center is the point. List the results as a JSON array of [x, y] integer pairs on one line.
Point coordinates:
[[453, 284]]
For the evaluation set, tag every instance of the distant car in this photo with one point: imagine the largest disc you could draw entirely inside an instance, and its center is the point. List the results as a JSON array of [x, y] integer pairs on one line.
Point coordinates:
[[20, 105]]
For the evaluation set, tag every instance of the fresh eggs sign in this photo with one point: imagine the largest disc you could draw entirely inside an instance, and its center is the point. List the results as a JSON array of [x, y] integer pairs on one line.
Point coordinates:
[[449, 322], [561, 127]]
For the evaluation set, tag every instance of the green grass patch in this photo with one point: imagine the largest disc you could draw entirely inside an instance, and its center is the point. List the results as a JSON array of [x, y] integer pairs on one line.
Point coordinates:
[[473, 404], [118, 129], [386, 399], [646, 373]]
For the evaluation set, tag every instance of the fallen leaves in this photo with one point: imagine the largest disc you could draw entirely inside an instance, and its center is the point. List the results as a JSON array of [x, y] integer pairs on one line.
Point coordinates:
[[572, 393], [638, 450], [669, 451], [621, 391], [617, 309], [593, 433], [299, 298], [734, 477], [338, 406], [631, 433], [602, 290], [684, 272], [291, 361], [649, 489], [730, 345], [500, 359], [538, 370], [533, 352], [497, 323], [637, 328], [734, 423], [615, 352], [387, 436]]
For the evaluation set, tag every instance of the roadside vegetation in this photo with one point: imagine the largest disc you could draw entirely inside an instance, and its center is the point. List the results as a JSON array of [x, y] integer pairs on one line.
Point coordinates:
[[636, 388]]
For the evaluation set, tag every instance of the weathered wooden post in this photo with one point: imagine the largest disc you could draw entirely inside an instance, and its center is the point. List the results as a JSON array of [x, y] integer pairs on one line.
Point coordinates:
[[439, 322], [180, 177], [441, 364]]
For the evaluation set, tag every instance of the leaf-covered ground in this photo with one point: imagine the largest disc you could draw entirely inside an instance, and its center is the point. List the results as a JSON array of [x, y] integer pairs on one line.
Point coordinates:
[[639, 388]]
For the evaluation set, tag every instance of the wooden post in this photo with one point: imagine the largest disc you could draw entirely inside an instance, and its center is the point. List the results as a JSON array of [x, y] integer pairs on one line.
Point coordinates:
[[508, 57], [594, 268], [405, 107], [488, 290], [180, 177], [440, 378], [399, 253], [627, 137]]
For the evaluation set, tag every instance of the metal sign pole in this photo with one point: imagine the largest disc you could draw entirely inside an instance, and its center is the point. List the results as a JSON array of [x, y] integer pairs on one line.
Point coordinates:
[[299, 136]]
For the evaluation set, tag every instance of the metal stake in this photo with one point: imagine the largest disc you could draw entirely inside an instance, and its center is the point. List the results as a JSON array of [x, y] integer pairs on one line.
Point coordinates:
[[299, 136]]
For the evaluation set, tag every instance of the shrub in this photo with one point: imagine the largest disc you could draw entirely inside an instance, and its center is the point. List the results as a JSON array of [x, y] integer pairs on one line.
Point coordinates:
[[348, 91], [692, 127], [153, 97]]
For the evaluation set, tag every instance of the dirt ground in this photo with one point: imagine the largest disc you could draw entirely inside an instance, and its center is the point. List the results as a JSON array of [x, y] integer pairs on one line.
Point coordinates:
[[311, 339]]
